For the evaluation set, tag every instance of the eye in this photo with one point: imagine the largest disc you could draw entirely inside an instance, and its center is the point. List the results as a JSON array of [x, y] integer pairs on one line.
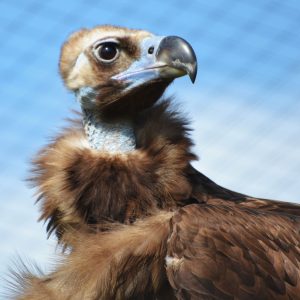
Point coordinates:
[[107, 51]]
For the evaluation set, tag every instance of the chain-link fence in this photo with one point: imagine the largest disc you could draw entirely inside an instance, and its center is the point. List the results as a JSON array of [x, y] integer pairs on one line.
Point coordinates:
[[245, 104]]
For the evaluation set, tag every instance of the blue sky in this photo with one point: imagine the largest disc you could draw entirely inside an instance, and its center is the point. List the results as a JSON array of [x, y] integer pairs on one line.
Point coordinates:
[[244, 105]]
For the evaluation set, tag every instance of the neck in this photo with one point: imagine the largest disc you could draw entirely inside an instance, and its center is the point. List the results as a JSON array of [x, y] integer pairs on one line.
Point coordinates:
[[115, 136]]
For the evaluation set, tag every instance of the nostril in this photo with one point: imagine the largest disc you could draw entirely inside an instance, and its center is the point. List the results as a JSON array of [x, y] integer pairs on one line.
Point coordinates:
[[151, 50]]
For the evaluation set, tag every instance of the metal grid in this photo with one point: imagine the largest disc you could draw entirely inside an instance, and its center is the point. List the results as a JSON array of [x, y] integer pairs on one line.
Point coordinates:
[[245, 105]]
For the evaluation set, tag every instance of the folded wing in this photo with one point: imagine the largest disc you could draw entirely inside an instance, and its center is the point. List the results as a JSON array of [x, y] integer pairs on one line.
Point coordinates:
[[222, 252]]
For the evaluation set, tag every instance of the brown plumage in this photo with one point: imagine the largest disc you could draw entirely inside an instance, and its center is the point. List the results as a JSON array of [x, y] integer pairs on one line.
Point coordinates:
[[144, 224], [99, 187], [223, 252]]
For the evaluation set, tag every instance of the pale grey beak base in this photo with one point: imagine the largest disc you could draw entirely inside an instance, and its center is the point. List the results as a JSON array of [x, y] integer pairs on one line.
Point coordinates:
[[170, 57]]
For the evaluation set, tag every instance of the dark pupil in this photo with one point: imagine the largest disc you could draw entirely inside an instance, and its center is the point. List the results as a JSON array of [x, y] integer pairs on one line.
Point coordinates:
[[108, 51]]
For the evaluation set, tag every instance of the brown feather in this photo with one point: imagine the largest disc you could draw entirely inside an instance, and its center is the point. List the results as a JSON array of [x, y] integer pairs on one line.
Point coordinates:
[[79, 185], [221, 252], [125, 263]]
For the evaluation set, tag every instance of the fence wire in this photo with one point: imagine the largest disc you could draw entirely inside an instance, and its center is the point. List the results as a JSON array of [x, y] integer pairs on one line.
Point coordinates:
[[244, 106]]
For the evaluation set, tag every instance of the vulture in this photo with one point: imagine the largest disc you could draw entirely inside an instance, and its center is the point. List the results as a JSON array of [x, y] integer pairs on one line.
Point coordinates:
[[135, 218]]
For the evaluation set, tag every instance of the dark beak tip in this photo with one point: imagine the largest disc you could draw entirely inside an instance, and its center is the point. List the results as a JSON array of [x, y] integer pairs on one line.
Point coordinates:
[[193, 73], [193, 76]]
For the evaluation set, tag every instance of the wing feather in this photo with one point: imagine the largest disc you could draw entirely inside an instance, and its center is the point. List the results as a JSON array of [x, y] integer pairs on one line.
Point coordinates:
[[233, 252], [204, 190]]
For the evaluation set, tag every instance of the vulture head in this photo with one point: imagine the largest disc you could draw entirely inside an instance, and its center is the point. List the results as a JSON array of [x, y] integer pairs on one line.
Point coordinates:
[[118, 70]]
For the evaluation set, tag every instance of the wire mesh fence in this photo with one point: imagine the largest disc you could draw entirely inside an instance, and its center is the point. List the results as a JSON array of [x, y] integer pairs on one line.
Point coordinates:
[[244, 107]]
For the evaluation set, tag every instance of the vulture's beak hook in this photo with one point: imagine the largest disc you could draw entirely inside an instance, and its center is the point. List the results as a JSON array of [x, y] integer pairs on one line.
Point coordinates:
[[177, 53]]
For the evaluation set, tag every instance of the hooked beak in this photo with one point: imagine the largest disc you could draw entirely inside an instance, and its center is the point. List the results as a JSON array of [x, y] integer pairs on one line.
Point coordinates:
[[161, 58], [178, 56]]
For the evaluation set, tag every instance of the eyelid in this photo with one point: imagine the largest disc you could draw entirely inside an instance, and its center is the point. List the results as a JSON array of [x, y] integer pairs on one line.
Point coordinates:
[[106, 40]]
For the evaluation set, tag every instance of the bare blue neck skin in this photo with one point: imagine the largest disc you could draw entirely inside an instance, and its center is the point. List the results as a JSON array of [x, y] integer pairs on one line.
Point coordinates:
[[114, 137]]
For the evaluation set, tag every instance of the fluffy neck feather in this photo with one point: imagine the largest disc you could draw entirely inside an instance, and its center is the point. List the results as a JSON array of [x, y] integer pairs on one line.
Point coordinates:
[[110, 136]]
